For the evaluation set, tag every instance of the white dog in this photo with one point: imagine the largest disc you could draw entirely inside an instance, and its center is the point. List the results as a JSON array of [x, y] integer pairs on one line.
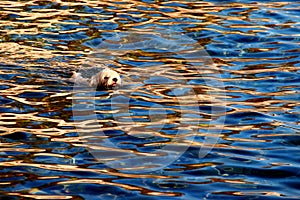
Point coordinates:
[[105, 79]]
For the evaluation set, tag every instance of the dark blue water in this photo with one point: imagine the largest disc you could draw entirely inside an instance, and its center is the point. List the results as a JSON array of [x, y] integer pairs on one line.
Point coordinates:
[[209, 108]]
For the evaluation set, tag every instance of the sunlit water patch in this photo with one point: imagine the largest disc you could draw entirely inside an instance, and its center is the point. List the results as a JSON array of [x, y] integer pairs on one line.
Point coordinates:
[[253, 50]]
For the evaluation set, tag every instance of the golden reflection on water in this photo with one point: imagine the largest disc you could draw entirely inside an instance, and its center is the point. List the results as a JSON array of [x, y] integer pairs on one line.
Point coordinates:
[[40, 33]]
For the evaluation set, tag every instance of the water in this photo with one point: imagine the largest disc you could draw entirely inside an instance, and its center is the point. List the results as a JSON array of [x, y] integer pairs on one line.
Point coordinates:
[[209, 108]]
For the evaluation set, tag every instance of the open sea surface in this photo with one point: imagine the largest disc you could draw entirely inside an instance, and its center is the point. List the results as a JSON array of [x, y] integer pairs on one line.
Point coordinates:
[[209, 107]]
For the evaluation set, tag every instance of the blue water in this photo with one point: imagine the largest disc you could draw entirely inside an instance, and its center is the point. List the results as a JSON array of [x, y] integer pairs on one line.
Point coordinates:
[[209, 108]]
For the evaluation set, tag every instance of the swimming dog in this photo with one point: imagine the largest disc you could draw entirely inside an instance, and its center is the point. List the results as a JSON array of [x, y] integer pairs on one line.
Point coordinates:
[[103, 80]]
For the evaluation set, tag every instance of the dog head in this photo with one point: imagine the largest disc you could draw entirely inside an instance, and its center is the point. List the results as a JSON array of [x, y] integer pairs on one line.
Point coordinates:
[[106, 79]]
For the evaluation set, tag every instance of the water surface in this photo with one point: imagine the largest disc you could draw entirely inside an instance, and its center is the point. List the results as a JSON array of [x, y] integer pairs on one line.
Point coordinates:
[[227, 120]]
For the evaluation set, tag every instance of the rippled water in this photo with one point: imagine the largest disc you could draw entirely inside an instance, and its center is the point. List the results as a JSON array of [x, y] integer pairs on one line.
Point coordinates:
[[209, 108]]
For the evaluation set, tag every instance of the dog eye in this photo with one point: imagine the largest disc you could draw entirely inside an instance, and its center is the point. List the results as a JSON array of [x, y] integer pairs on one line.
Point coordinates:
[[106, 77]]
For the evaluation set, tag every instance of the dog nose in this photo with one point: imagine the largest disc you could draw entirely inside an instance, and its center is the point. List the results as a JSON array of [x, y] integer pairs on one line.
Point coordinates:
[[115, 79]]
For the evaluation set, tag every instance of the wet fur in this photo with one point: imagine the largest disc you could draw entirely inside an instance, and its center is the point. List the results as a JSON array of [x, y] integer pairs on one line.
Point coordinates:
[[105, 79]]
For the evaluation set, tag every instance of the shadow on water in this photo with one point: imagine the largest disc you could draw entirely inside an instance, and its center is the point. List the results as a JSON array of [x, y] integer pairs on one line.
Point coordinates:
[[170, 132]]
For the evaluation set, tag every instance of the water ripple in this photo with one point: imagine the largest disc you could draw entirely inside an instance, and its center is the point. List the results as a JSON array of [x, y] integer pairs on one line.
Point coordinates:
[[252, 141]]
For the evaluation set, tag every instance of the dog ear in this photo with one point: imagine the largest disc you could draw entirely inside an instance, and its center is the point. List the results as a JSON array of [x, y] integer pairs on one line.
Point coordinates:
[[94, 81]]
